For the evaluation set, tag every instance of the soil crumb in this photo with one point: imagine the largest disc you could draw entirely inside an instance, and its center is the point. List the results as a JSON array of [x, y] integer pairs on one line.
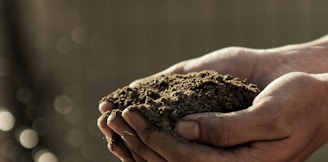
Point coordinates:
[[165, 99]]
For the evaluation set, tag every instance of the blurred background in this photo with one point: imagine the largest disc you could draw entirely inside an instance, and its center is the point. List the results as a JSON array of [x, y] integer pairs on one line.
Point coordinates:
[[59, 57]]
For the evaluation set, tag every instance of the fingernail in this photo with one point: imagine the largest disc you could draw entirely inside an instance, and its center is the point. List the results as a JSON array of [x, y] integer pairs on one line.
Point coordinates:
[[107, 113], [134, 119], [104, 106], [113, 114], [188, 129]]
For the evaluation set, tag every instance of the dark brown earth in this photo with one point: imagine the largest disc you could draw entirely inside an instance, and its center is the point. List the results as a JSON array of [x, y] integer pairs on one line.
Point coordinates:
[[164, 100]]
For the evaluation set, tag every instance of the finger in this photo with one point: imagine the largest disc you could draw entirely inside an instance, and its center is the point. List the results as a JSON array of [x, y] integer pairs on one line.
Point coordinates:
[[137, 157], [117, 124], [117, 147], [228, 129], [104, 106], [169, 147], [102, 125], [115, 144]]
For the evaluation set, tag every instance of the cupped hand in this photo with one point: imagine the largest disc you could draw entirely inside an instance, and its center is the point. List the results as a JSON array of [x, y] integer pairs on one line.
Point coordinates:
[[285, 123]]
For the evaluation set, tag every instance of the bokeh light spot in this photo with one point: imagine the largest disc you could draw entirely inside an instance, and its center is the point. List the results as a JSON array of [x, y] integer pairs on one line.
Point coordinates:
[[79, 35], [7, 120], [44, 155], [63, 104], [28, 138]]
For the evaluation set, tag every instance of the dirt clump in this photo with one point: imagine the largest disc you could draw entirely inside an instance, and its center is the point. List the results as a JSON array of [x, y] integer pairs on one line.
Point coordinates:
[[165, 99]]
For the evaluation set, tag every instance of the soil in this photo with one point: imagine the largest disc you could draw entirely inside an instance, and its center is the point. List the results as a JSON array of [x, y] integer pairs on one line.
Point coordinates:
[[163, 100]]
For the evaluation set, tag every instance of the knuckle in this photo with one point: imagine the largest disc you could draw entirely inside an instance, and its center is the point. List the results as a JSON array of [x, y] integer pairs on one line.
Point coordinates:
[[147, 134], [223, 135], [140, 149], [110, 121], [113, 117], [220, 131]]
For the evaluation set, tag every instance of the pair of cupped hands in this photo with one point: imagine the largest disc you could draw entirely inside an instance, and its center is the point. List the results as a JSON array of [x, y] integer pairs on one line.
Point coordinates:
[[286, 121]]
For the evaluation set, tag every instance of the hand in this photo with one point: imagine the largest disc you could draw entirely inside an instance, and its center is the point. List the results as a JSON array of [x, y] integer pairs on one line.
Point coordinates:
[[297, 131], [287, 122]]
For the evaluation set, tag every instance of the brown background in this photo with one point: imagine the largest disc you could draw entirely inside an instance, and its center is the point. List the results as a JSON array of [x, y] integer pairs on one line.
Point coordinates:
[[76, 51]]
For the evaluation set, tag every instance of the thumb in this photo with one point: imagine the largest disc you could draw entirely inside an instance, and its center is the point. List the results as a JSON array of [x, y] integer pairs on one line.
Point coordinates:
[[229, 129]]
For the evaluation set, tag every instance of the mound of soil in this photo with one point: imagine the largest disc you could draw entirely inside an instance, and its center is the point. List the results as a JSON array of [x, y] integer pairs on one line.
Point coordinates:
[[163, 100]]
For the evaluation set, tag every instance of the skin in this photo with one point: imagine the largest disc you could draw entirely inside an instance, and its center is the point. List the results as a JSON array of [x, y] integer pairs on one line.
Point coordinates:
[[287, 121]]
